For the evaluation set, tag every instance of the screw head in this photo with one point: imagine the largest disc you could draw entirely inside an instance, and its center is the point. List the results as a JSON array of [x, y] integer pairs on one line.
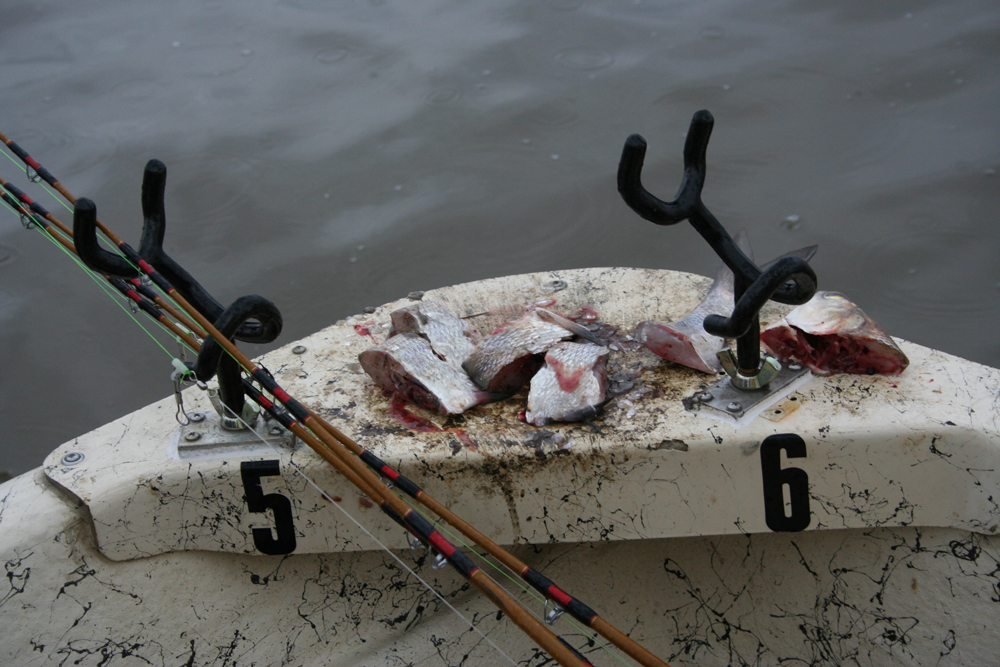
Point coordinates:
[[794, 366], [275, 430], [72, 458], [735, 406], [298, 349], [704, 396], [197, 417], [192, 436]]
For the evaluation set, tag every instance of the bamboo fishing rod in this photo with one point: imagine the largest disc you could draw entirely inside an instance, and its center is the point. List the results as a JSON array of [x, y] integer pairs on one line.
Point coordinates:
[[334, 452], [576, 608], [550, 590]]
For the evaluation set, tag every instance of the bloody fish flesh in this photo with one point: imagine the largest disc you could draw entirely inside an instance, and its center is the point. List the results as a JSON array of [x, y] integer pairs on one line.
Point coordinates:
[[506, 359], [570, 386], [406, 366], [830, 334]]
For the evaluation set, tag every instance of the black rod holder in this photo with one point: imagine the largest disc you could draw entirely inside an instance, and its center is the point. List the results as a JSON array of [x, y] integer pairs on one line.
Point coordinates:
[[251, 318], [790, 280]]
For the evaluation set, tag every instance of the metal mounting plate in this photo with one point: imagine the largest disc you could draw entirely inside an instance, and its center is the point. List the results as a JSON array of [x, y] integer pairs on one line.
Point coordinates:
[[724, 401], [206, 439]]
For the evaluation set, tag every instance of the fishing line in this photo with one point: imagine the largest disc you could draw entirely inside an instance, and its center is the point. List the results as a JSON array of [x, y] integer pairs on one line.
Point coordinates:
[[374, 539]]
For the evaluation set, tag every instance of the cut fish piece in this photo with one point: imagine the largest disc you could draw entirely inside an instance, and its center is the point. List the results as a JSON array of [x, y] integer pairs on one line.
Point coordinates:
[[570, 386], [830, 334], [406, 365], [685, 341]]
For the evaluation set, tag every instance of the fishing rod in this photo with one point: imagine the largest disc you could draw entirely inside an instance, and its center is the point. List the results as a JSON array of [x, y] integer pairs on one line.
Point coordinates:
[[542, 584], [387, 501], [334, 452]]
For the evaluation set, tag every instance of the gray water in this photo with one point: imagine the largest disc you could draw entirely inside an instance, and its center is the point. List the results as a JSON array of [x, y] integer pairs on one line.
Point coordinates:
[[337, 155]]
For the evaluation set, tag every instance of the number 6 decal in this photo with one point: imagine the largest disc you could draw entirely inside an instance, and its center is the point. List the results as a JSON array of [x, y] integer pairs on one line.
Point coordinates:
[[776, 478], [257, 502]]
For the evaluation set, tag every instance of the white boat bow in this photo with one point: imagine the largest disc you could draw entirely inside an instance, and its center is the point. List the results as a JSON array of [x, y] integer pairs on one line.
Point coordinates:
[[852, 521]]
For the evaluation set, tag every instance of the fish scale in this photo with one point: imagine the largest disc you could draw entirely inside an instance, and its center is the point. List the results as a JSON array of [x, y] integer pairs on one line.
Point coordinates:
[[509, 357], [450, 337]]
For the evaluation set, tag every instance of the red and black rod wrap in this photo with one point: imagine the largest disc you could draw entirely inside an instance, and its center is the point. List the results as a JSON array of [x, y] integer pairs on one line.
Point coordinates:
[[429, 535], [30, 161], [31, 203]]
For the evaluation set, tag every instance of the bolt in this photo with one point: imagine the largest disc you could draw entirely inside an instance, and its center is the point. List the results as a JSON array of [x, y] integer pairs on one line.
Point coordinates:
[[298, 349], [197, 417], [705, 397], [72, 458], [275, 430], [735, 406], [192, 436], [554, 286]]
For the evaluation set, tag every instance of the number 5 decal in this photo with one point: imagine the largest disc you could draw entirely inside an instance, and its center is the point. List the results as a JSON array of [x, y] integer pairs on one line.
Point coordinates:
[[776, 478], [257, 502]]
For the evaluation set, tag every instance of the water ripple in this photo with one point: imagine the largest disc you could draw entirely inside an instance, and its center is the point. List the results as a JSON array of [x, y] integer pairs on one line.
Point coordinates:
[[926, 272], [584, 59]]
